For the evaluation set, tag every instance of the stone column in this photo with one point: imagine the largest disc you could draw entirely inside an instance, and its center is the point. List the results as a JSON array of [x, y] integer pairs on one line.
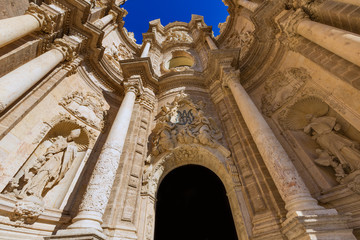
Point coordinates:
[[343, 43], [248, 5], [17, 82], [305, 218], [145, 52], [211, 43], [35, 19], [98, 191], [102, 22], [286, 178]]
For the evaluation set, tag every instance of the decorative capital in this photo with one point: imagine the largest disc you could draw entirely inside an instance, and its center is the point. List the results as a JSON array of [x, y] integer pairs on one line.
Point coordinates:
[[45, 20], [290, 23], [65, 47], [230, 75], [134, 84]]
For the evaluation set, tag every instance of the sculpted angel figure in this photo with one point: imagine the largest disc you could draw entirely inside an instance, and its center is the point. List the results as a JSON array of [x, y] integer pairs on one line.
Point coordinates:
[[324, 131], [51, 167]]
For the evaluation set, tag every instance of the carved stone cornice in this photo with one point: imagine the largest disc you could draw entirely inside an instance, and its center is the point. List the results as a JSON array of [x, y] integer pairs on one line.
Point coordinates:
[[45, 20], [143, 68]]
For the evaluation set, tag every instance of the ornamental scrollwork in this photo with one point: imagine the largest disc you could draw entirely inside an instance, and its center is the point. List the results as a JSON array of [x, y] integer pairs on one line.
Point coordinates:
[[183, 122]]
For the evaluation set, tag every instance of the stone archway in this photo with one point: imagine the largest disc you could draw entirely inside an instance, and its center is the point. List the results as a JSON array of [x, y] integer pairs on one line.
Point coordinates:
[[192, 204], [215, 159]]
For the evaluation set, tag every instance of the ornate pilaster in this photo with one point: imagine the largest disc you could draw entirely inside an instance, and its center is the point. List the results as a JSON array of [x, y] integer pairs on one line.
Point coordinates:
[[147, 100]]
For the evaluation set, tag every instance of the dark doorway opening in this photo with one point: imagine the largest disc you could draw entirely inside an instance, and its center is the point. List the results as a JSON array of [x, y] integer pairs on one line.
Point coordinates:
[[192, 204]]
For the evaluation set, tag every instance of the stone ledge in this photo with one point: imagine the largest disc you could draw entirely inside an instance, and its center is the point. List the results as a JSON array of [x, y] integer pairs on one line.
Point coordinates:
[[78, 234]]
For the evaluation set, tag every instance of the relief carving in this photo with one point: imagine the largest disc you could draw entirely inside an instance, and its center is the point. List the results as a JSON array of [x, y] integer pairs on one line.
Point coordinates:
[[88, 107], [334, 149], [116, 53], [183, 122], [281, 87], [47, 169], [26, 212], [178, 36], [241, 40]]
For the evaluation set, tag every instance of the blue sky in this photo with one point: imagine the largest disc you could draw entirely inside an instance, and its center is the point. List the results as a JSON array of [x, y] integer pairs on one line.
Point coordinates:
[[140, 12]]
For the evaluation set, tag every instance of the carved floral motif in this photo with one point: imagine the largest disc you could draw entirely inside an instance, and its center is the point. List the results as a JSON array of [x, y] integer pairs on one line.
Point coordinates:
[[26, 211], [88, 107], [184, 122]]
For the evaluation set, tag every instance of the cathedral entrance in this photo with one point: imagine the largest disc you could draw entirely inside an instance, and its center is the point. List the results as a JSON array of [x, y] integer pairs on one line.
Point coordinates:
[[192, 204]]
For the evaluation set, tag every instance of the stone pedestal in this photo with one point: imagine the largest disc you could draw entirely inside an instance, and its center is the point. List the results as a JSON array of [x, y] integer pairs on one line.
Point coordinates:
[[317, 224]]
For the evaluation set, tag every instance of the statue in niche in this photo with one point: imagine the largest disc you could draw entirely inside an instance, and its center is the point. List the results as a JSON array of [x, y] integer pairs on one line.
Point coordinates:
[[343, 151], [47, 169], [311, 115]]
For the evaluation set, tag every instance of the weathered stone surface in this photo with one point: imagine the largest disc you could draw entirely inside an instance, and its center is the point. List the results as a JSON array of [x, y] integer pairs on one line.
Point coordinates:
[[270, 106]]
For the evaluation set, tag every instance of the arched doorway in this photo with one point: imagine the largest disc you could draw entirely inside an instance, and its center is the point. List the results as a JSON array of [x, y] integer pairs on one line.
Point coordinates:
[[192, 204]]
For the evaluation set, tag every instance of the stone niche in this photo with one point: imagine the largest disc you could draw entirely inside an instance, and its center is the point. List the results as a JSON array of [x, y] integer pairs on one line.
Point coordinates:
[[329, 145], [48, 173]]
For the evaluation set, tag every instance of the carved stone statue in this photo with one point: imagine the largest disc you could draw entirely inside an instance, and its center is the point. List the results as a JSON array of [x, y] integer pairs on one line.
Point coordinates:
[[48, 169], [342, 151]]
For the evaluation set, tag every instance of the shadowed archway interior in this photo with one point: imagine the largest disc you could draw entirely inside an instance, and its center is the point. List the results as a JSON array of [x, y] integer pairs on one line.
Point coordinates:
[[192, 204]]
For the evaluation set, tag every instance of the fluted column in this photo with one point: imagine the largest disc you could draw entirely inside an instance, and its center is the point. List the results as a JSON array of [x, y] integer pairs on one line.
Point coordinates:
[[343, 43], [98, 191], [145, 52], [248, 5], [211, 43], [17, 82], [286, 178], [102, 22], [14, 28]]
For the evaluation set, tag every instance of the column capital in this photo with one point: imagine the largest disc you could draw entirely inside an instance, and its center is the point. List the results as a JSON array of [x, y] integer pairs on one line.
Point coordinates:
[[290, 23], [66, 47], [134, 84], [230, 75], [46, 22]]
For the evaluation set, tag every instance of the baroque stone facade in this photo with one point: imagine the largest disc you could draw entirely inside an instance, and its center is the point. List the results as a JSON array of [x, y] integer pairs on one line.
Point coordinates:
[[92, 122]]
